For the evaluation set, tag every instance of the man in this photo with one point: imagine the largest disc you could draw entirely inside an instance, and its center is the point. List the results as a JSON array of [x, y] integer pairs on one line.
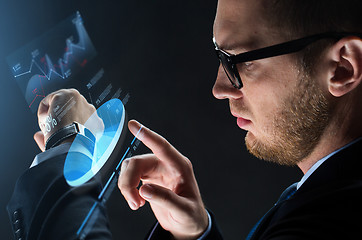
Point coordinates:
[[301, 105]]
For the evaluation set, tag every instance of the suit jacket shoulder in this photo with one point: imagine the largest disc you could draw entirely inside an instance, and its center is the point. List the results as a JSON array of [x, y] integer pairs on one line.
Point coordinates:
[[44, 206], [327, 206]]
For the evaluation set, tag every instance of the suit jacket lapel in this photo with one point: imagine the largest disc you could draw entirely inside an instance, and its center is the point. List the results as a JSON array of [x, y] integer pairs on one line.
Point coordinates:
[[344, 165]]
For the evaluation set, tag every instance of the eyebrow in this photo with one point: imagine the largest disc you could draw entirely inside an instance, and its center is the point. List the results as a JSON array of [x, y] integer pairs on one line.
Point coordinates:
[[233, 47], [230, 47]]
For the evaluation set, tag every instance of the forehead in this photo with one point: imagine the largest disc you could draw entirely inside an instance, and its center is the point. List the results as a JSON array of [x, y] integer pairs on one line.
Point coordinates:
[[239, 24]]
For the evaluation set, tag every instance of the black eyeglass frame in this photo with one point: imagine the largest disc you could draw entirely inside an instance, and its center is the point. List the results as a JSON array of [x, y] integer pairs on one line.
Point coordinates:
[[229, 61]]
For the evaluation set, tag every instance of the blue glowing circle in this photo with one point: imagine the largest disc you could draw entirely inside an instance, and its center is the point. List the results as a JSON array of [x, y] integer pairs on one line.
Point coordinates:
[[85, 158]]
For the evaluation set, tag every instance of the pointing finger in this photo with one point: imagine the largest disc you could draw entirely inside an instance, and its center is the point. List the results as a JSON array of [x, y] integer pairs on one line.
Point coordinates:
[[158, 145]]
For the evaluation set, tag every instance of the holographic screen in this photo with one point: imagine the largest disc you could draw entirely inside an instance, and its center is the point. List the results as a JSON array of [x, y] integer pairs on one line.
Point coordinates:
[[65, 57], [86, 157], [52, 60], [100, 156]]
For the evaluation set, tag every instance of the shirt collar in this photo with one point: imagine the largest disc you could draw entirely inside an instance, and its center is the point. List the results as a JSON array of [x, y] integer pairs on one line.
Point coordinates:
[[317, 164]]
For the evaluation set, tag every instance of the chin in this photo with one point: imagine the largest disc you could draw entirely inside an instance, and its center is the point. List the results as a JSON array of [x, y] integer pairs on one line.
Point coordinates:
[[253, 144], [274, 151], [251, 140]]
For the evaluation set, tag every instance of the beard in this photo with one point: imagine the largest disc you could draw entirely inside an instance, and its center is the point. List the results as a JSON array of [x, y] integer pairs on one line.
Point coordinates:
[[297, 128]]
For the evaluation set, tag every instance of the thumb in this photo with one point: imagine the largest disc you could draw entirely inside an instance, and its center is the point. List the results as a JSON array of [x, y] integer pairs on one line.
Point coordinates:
[[163, 197], [39, 139]]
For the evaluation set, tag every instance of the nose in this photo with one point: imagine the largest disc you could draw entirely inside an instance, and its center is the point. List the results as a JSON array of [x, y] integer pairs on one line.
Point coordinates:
[[223, 88]]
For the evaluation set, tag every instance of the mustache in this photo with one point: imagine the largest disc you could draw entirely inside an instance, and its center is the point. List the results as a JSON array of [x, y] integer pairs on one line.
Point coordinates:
[[238, 107]]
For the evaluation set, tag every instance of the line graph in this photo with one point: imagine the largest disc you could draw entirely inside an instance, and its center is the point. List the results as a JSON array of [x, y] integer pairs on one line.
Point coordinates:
[[38, 93], [62, 62], [53, 59]]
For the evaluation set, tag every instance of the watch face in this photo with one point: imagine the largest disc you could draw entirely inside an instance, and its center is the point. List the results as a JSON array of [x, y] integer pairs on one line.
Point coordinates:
[[91, 150]]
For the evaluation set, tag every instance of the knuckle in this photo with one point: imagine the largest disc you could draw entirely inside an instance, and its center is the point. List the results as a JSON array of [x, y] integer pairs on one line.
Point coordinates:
[[163, 142], [93, 108], [126, 161], [124, 167], [187, 161], [136, 161], [57, 98], [123, 186], [74, 91], [188, 164], [131, 163]]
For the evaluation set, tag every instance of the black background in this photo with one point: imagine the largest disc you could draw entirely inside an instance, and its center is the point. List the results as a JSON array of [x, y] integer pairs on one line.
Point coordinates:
[[161, 52]]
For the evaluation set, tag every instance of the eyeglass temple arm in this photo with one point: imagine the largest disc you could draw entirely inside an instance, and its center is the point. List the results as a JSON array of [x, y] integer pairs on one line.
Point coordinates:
[[287, 47]]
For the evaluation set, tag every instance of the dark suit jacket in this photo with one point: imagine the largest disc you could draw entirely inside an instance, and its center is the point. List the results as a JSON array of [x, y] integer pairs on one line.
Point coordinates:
[[327, 206], [43, 206]]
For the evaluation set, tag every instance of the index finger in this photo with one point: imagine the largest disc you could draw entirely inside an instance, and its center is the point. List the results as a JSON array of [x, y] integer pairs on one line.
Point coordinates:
[[158, 145], [43, 106]]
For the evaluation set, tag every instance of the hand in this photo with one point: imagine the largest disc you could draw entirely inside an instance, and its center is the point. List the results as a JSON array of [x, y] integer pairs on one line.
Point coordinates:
[[65, 106], [169, 185]]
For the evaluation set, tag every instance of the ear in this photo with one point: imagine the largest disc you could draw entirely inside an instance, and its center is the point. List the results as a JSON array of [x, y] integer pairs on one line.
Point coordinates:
[[346, 72], [39, 139]]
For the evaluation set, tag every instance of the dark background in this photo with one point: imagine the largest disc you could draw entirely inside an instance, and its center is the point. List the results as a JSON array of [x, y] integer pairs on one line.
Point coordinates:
[[162, 53]]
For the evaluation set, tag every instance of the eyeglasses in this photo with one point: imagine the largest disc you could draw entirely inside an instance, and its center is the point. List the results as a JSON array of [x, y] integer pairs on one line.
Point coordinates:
[[229, 61]]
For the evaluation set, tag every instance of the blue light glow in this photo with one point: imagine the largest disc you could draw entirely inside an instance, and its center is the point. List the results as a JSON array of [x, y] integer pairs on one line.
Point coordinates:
[[84, 160]]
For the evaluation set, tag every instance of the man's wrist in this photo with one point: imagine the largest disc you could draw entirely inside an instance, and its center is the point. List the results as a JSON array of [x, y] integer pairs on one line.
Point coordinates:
[[67, 134], [208, 229], [61, 135], [198, 236]]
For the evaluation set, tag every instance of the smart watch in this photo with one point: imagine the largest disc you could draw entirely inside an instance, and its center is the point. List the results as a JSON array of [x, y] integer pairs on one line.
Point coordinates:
[[68, 131]]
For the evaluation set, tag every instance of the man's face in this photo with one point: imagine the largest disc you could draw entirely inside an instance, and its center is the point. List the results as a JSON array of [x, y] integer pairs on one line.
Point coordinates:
[[282, 108]]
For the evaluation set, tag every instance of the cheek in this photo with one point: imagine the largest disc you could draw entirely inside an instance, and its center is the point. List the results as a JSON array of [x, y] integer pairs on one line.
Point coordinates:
[[266, 106], [263, 102], [267, 89]]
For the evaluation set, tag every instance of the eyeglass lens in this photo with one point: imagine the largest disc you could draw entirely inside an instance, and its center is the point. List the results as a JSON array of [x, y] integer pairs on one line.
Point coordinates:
[[228, 68]]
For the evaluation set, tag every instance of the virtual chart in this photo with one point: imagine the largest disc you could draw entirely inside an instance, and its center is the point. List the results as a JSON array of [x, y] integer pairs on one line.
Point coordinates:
[[51, 60]]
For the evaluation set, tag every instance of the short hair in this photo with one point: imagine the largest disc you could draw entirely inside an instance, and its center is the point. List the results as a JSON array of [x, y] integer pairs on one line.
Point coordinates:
[[298, 18]]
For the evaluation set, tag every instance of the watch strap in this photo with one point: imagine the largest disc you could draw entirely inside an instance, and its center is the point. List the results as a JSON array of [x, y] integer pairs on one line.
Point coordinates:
[[61, 134]]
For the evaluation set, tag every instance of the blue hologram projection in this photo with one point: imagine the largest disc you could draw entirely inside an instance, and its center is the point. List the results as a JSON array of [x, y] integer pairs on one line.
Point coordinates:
[[86, 158], [88, 154], [44, 64], [89, 220]]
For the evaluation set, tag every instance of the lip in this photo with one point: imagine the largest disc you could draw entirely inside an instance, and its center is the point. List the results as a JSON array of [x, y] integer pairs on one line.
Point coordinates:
[[243, 123]]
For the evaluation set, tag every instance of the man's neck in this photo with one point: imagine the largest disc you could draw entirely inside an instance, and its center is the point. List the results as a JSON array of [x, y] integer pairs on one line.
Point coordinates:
[[325, 147], [344, 127]]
